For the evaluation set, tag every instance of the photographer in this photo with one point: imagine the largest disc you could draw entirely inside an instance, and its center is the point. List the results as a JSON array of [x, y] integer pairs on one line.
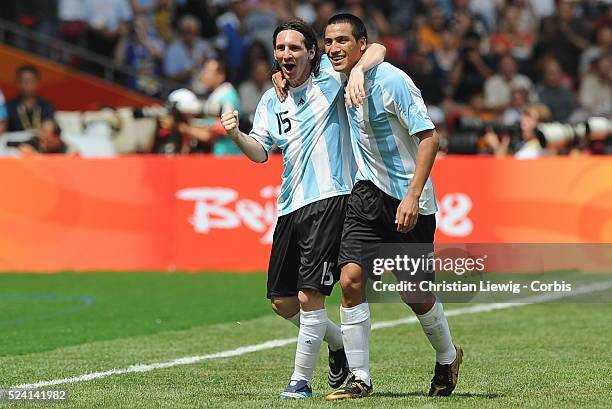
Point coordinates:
[[171, 135], [529, 146], [48, 139]]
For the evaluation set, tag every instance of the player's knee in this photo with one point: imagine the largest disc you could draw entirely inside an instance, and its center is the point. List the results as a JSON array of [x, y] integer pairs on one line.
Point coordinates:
[[349, 284], [311, 300], [408, 298], [286, 307], [419, 302], [350, 278]]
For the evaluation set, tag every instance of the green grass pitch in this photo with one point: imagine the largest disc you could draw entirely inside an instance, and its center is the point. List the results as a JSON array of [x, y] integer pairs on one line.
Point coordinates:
[[553, 355]]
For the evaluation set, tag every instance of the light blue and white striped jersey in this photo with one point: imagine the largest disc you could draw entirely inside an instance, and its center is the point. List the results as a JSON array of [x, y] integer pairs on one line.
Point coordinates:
[[311, 129], [382, 133]]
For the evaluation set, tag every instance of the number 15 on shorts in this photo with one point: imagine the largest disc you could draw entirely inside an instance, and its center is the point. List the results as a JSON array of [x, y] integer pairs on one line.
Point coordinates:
[[327, 278]]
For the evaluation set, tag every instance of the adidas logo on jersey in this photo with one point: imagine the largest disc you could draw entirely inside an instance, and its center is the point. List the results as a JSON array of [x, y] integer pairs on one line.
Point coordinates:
[[301, 102]]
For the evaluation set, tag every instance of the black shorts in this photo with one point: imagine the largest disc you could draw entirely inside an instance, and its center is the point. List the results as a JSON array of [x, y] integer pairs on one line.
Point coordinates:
[[305, 248], [370, 221]]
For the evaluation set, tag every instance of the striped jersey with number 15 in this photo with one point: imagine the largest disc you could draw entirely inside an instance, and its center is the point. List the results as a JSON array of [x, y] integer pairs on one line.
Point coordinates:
[[311, 130]]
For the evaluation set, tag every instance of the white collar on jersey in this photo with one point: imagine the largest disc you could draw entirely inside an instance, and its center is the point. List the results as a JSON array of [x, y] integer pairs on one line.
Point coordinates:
[[302, 86]]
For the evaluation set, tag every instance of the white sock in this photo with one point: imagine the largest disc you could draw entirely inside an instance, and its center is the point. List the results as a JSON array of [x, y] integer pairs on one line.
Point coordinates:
[[333, 336], [356, 328], [436, 328], [312, 330], [295, 320]]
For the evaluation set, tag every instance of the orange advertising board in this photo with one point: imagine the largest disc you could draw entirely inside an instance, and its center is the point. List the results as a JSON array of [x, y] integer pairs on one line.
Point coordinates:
[[204, 213]]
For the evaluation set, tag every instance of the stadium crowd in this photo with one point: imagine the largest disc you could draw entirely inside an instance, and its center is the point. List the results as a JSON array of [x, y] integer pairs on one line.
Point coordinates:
[[489, 71]]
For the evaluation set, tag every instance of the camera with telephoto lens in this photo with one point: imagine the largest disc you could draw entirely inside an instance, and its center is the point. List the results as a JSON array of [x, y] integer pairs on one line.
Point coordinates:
[[467, 139], [595, 130], [34, 142], [179, 104]]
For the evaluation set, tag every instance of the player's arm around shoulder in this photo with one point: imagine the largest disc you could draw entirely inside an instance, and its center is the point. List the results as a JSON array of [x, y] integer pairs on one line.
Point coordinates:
[[251, 148], [373, 55]]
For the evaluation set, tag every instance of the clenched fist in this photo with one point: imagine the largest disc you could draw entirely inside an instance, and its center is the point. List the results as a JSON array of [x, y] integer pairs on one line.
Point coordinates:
[[229, 120]]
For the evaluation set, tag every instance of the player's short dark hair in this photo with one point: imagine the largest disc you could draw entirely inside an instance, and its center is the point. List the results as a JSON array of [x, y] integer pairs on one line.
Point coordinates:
[[310, 41], [357, 27], [27, 68]]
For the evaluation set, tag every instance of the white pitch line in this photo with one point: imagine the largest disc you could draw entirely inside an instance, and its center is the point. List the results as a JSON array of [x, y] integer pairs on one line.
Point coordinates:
[[536, 299], [276, 343]]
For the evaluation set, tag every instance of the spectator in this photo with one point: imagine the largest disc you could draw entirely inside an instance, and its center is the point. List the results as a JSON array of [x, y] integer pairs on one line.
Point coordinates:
[[565, 36], [595, 94], [603, 45], [260, 23], [223, 97], [542, 8], [470, 71], [295, 8], [518, 102], [73, 17], [251, 90], [476, 108], [203, 11], [221, 92], [28, 110], [162, 20], [402, 15], [48, 140], [511, 38], [324, 10], [107, 21], [429, 35], [256, 51], [485, 11], [498, 88], [455, 70], [187, 53], [464, 20], [375, 21], [232, 35], [527, 20], [445, 57], [3, 113], [141, 51], [145, 8], [422, 72], [552, 93]]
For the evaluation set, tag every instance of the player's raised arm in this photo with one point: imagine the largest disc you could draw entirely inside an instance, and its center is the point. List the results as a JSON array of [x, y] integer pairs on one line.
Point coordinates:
[[251, 148], [355, 94]]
